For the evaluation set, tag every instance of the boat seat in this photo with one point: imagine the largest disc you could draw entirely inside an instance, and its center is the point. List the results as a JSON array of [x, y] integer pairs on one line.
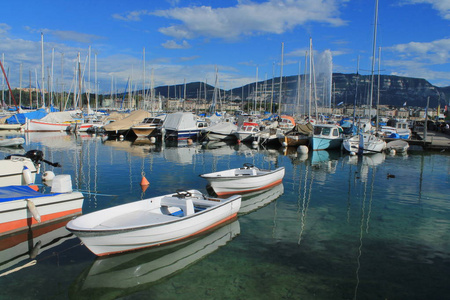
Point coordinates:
[[245, 172], [185, 205]]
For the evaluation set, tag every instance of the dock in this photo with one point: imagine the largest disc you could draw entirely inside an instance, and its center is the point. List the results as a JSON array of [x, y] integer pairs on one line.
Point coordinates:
[[435, 140]]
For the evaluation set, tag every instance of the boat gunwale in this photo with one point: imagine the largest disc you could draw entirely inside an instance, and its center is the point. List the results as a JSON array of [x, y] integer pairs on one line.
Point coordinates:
[[108, 231], [234, 177]]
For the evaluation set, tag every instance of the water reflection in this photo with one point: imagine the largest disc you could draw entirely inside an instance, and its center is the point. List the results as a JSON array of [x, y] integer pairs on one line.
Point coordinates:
[[128, 273], [26, 248]]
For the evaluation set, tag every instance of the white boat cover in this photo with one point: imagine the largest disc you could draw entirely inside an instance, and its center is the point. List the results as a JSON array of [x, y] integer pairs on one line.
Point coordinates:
[[222, 128], [134, 118], [58, 117], [180, 121]]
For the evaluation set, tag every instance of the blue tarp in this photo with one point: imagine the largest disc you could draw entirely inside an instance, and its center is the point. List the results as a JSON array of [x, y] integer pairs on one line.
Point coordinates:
[[19, 192], [21, 118]]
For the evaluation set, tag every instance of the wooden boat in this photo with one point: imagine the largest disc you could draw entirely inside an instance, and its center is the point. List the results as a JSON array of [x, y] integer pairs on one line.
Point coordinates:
[[364, 143], [21, 207], [242, 180], [152, 222], [299, 135], [326, 137], [13, 142]]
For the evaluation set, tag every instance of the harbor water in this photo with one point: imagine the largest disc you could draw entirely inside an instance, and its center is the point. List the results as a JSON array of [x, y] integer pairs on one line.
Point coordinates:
[[338, 227]]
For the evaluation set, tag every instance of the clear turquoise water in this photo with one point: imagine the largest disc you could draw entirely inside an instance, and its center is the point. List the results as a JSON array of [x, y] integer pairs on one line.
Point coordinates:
[[337, 228]]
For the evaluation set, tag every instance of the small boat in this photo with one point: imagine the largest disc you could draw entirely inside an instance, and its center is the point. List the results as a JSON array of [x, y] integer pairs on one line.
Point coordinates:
[[148, 127], [181, 126], [220, 131], [364, 143], [18, 169], [247, 133], [21, 207], [126, 274], [400, 146], [326, 137], [12, 142], [152, 222], [243, 180], [123, 126], [299, 135]]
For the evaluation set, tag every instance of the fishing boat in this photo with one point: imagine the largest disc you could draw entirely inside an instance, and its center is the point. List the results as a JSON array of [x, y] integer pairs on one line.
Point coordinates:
[[242, 180], [12, 142], [326, 137], [21, 207], [364, 143], [152, 222]]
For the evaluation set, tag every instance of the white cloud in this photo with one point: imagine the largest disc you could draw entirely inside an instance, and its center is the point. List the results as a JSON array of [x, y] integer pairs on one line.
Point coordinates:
[[435, 52], [132, 16], [443, 6], [174, 45], [4, 28], [249, 18]]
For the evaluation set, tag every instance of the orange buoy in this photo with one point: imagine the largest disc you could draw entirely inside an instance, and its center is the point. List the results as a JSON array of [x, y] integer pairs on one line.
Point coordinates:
[[144, 181]]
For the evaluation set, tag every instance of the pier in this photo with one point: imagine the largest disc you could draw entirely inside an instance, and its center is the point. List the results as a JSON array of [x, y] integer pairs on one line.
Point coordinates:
[[432, 140]]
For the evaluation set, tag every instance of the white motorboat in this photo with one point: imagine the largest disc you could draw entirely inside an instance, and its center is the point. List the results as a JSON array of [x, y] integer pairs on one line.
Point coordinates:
[[364, 143], [21, 207], [152, 222], [242, 180], [220, 131], [12, 142], [400, 146], [148, 127], [17, 169], [247, 133]]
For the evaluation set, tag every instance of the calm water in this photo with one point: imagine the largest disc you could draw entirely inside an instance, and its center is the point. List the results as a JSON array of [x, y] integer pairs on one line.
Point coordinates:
[[337, 228]]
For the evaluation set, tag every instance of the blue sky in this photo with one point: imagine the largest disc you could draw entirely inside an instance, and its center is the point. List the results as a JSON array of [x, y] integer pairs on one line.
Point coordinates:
[[185, 40]]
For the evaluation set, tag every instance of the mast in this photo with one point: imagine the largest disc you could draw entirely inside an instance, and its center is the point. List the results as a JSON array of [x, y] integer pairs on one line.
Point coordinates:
[[310, 77], [42, 70], [373, 58], [273, 82], [281, 79]]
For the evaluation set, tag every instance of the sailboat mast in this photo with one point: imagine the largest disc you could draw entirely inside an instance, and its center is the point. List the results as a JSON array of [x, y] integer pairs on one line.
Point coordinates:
[[373, 58], [281, 79], [42, 70]]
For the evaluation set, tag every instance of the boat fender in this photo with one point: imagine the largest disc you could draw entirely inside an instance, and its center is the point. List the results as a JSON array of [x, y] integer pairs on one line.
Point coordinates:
[[152, 140], [32, 208], [302, 149], [48, 176], [35, 251], [27, 175], [392, 152]]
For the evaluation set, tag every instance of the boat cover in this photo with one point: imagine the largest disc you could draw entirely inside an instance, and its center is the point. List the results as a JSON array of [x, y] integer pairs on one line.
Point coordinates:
[[20, 192], [180, 121], [134, 118], [22, 117]]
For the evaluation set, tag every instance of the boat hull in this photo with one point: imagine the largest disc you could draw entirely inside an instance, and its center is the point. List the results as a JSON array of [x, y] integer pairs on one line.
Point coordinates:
[[370, 145], [11, 171], [227, 185], [323, 143], [16, 215], [141, 224], [36, 125]]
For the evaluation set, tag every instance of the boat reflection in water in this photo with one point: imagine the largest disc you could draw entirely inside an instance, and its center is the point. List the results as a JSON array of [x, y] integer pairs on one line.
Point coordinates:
[[125, 274], [253, 201], [23, 249]]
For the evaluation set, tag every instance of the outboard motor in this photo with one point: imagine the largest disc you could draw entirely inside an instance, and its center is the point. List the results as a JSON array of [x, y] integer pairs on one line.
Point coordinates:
[[37, 156]]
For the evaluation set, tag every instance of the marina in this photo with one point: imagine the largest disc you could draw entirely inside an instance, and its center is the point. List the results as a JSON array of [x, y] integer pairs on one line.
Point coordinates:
[[337, 227]]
